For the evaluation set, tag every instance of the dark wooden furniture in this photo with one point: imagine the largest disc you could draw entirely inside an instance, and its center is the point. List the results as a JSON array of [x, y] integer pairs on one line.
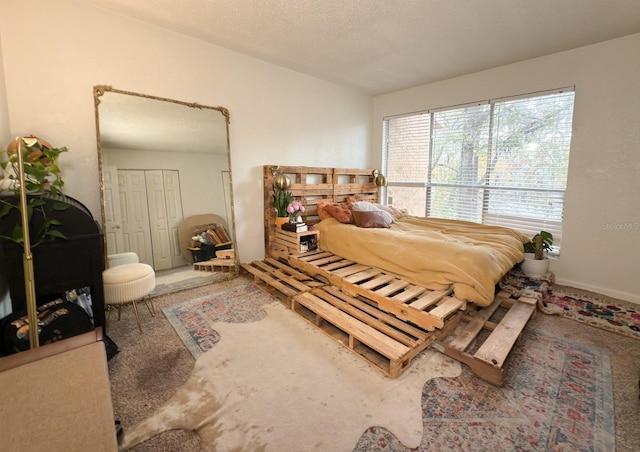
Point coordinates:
[[60, 264]]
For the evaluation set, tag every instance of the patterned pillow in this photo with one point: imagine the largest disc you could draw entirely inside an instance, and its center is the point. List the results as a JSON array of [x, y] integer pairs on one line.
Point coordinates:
[[340, 212], [353, 199], [322, 209]]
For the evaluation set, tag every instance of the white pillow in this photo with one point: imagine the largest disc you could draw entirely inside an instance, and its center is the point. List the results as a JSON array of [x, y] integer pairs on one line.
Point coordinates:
[[366, 206], [386, 209]]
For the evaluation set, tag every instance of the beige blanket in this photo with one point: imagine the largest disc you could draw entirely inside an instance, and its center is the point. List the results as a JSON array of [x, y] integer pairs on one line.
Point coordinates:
[[433, 253]]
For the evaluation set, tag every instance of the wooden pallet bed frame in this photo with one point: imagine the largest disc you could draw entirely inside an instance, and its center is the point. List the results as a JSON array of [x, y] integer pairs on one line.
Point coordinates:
[[383, 319], [310, 185]]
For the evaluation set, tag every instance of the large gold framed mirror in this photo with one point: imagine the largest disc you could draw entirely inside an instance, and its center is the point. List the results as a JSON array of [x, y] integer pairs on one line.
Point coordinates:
[[165, 173]]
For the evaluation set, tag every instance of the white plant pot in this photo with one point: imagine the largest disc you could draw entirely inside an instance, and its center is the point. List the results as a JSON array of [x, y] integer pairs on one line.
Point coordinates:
[[532, 267]]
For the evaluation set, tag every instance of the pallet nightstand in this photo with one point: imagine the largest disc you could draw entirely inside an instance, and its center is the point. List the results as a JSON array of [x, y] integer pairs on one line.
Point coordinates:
[[297, 242]]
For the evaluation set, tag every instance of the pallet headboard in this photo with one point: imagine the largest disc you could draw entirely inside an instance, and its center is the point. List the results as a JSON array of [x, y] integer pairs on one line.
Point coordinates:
[[309, 185]]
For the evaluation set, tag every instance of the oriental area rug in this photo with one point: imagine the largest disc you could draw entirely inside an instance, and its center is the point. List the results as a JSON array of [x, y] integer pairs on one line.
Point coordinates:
[[612, 315], [265, 379], [617, 316], [557, 396]]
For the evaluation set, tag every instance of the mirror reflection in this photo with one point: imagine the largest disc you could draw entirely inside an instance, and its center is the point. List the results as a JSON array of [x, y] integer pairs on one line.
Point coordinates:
[[166, 184]]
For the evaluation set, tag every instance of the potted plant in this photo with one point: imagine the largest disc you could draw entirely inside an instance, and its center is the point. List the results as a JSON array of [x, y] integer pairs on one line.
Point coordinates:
[[41, 180], [536, 263], [281, 200]]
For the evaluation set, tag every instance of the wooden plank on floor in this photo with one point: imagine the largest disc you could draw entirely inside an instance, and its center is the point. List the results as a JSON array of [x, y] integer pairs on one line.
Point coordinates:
[[498, 345], [466, 336], [300, 286], [289, 270], [355, 309], [364, 333], [392, 320]]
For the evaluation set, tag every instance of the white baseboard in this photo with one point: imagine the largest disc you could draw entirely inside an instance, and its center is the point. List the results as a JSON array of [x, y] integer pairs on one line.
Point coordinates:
[[633, 298]]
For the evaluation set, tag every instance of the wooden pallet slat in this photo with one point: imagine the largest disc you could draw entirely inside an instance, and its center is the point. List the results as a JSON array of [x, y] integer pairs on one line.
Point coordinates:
[[352, 269], [215, 265], [273, 275], [390, 325], [448, 307], [377, 343], [421, 318], [292, 271], [281, 276], [409, 293], [429, 299], [315, 255], [463, 339], [489, 360], [392, 288], [386, 290], [362, 276], [378, 281], [356, 328], [498, 345], [336, 265], [327, 260]]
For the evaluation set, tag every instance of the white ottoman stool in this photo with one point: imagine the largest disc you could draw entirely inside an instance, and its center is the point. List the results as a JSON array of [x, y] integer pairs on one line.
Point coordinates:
[[114, 260], [126, 284]]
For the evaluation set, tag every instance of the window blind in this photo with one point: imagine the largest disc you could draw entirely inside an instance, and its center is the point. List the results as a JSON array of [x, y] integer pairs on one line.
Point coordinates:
[[500, 162]]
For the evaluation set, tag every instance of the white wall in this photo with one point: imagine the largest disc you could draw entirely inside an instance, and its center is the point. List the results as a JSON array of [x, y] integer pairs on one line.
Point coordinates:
[[55, 51], [4, 113], [5, 301], [601, 228]]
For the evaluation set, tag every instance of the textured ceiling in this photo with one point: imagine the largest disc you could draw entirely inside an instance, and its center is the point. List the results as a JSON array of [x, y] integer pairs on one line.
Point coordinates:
[[380, 46]]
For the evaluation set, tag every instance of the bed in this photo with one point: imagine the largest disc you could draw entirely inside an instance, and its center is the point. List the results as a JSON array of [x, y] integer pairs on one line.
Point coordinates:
[[389, 293], [435, 253]]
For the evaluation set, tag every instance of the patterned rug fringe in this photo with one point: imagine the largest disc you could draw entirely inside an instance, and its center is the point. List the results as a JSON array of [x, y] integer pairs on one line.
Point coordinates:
[[616, 316]]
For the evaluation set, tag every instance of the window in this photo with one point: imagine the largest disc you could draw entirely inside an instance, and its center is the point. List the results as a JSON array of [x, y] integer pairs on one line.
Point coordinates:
[[500, 162]]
